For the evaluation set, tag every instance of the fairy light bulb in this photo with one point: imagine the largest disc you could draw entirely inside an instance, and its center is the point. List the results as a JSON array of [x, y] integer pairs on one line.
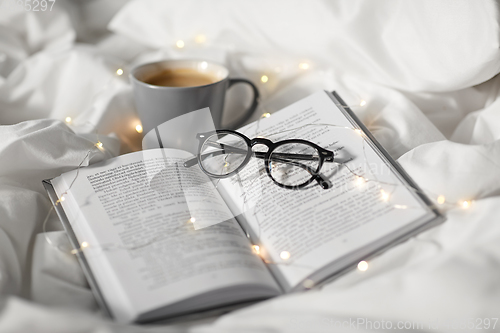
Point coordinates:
[[138, 128], [119, 71], [179, 44], [360, 181], [61, 199], [192, 220], [84, 245], [285, 255], [384, 195], [465, 204], [362, 103], [226, 164], [441, 199], [266, 115], [256, 249], [200, 39], [99, 144], [358, 131], [362, 266], [264, 78], [68, 120], [304, 65]]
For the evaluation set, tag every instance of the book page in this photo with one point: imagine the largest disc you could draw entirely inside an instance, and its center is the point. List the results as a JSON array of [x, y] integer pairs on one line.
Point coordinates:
[[132, 213], [302, 231]]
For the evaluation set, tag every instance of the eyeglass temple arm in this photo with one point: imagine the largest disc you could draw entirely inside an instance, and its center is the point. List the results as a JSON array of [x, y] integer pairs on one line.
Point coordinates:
[[193, 161]]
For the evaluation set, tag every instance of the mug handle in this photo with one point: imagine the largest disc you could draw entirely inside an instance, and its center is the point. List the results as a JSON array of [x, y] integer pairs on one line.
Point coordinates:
[[248, 113]]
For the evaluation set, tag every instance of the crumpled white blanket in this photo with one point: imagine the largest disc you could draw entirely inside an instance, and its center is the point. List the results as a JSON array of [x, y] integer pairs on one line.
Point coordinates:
[[424, 69]]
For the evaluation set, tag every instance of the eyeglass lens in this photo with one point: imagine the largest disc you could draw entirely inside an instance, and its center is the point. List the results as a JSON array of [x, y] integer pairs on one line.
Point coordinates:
[[293, 164], [223, 153]]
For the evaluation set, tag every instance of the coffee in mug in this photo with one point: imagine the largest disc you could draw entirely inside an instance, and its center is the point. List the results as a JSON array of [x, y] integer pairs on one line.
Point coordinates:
[[180, 77]]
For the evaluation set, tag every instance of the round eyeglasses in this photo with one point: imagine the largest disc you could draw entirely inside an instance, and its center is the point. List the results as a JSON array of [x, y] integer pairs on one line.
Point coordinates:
[[291, 164]]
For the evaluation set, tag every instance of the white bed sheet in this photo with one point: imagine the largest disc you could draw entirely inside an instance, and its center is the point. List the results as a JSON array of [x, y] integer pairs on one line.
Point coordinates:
[[429, 112]]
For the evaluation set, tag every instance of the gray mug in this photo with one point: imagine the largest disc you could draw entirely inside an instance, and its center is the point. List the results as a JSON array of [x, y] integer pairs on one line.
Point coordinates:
[[157, 104]]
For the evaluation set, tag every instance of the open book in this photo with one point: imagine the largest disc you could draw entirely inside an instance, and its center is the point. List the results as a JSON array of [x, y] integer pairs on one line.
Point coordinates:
[[145, 259]]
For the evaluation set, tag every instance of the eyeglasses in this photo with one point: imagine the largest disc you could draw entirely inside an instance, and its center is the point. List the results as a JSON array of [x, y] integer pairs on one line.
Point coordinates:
[[291, 164]]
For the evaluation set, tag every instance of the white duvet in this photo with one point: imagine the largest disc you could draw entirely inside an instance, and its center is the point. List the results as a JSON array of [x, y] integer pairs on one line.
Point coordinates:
[[425, 69]]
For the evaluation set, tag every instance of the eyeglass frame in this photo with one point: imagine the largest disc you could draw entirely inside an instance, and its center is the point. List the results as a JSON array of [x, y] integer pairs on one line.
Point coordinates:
[[324, 155]]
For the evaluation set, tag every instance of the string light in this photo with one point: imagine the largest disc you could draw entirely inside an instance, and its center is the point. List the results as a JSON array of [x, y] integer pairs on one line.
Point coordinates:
[[264, 78], [304, 65], [226, 164], [285, 255], [362, 266], [385, 196], [61, 199], [68, 120], [100, 146], [138, 128], [360, 180], [200, 39], [362, 103], [119, 71], [179, 44], [83, 245]]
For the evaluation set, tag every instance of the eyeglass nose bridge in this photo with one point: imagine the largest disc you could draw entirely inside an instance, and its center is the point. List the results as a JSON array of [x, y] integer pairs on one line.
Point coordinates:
[[261, 141]]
